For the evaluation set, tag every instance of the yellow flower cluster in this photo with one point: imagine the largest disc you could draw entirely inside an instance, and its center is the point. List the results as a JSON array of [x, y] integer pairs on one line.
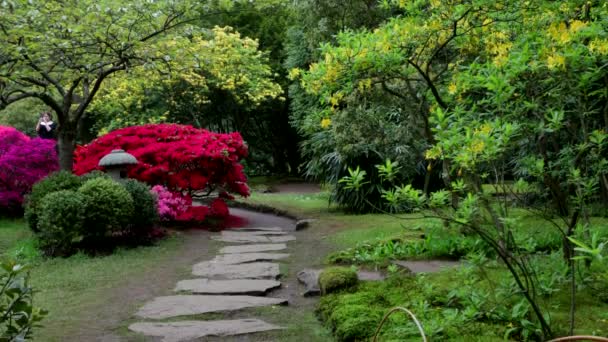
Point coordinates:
[[325, 123]]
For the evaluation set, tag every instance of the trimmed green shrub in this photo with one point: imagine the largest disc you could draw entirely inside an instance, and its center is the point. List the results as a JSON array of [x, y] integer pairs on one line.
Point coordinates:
[[333, 279], [61, 222], [108, 206], [94, 174], [62, 180], [145, 213]]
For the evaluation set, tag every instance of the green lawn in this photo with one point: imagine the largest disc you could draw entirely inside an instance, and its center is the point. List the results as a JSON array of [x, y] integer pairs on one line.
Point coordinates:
[[73, 289]]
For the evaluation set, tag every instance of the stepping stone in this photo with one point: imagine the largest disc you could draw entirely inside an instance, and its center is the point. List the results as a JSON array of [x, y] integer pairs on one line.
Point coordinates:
[[427, 266], [191, 330], [256, 270], [253, 248], [370, 276], [283, 238], [252, 232], [242, 286], [182, 305], [249, 238], [310, 279], [241, 238], [266, 229], [233, 259]]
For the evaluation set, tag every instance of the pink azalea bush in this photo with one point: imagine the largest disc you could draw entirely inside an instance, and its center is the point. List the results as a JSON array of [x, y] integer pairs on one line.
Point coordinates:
[[23, 162], [171, 205]]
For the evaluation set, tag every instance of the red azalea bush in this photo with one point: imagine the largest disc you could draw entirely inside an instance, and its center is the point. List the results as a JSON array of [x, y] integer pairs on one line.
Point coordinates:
[[182, 158], [23, 162]]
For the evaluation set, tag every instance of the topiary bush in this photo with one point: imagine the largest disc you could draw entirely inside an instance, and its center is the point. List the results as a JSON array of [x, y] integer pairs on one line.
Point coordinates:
[[333, 279], [57, 181], [61, 218], [94, 174], [145, 213], [108, 206]]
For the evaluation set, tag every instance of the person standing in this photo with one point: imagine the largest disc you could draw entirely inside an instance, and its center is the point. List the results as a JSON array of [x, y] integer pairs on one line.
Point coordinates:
[[46, 127]]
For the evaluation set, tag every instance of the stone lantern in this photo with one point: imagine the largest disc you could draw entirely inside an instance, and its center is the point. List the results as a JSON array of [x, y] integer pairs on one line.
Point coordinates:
[[116, 162]]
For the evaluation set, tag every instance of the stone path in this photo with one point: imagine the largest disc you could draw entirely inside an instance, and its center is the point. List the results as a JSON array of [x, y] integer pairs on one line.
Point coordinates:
[[239, 277]]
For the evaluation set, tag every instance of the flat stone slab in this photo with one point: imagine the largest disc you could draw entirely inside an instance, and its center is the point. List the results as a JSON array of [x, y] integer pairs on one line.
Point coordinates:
[[241, 238], [283, 238], [181, 305], [250, 287], [427, 266], [310, 279], [252, 232], [233, 259], [253, 248], [248, 237], [370, 276], [190, 330], [255, 270], [265, 229]]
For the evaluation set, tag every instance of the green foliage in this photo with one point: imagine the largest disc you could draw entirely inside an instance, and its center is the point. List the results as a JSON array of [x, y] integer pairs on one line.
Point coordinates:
[[145, 213], [108, 206], [23, 115], [94, 174], [61, 222], [62, 180], [18, 315], [334, 279]]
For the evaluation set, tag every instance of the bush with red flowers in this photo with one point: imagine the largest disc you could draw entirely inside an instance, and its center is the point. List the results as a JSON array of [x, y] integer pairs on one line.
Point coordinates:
[[23, 162], [184, 159]]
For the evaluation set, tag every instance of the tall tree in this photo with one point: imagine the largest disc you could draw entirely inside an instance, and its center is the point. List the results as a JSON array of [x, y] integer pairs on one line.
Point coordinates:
[[61, 52]]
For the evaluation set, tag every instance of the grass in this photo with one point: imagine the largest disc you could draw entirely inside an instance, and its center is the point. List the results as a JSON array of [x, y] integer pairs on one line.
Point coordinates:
[[12, 232], [72, 289]]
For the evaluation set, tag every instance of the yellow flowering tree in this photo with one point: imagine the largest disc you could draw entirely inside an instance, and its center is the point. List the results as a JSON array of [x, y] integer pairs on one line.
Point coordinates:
[[219, 60], [507, 89]]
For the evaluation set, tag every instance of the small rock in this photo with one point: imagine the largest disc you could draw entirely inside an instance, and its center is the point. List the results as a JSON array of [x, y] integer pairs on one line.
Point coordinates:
[[182, 305], [303, 224], [253, 248], [251, 287], [256, 270], [191, 330], [310, 279]]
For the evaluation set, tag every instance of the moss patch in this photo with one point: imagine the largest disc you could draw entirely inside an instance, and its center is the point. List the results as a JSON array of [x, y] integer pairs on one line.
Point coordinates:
[[333, 279]]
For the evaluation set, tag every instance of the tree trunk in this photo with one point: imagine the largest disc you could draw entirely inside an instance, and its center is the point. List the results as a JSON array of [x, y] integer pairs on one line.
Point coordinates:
[[66, 144]]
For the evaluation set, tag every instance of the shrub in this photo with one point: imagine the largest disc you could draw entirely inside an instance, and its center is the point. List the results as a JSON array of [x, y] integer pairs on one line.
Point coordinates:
[[61, 180], [170, 205], [94, 174], [108, 206], [145, 212], [218, 208], [23, 162], [333, 279], [183, 158], [18, 316], [61, 222]]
